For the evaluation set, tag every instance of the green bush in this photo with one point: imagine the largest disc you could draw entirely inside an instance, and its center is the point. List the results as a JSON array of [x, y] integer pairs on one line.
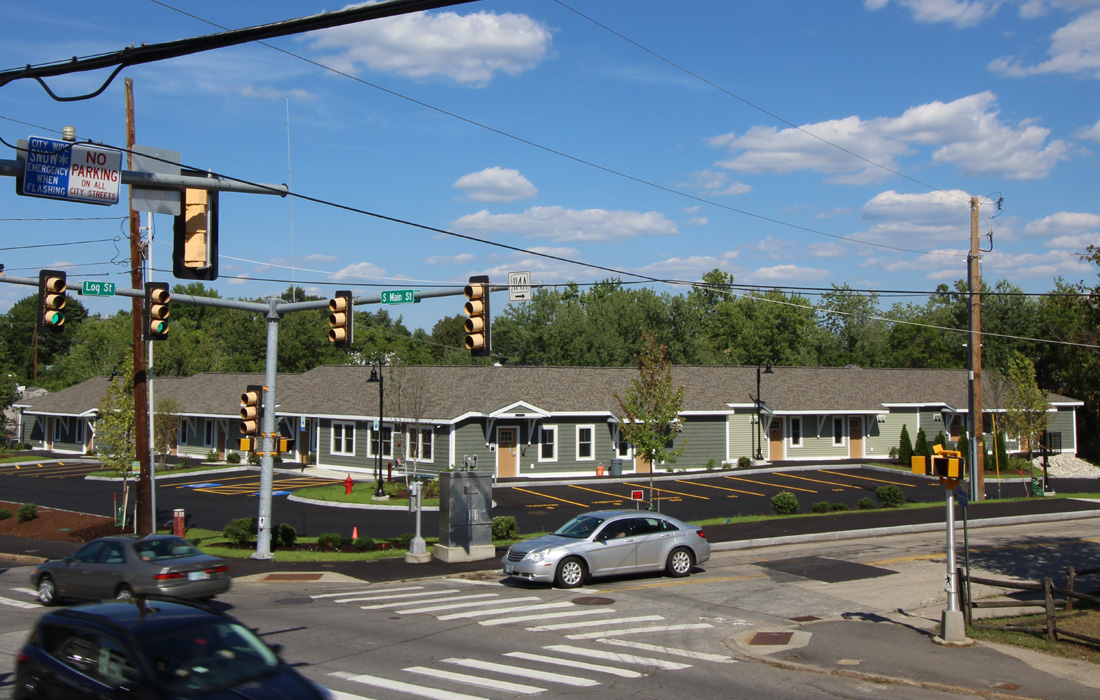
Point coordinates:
[[890, 496], [920, 446], [404, 540], [284, 535], [743, 462], [821, 507], [26, 512], [240, 531], [1019, 464], [905, 448], [363, 544], [211, 456], [505, 528], [866, 504], [253, 458], [329, 540], [5, 514], [840, 506], [429, 488], [711, 465], [233, 458], [785, 503]]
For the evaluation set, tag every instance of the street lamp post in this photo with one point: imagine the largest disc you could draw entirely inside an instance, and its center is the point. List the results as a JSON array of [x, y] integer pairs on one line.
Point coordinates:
[[376, 378], [759, 440]]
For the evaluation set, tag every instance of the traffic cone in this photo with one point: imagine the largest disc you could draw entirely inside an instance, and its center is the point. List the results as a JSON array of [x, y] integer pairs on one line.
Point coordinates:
[[355, 533]]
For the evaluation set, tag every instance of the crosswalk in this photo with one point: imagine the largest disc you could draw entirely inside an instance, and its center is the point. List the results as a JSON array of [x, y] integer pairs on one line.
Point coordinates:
[[593, 644]]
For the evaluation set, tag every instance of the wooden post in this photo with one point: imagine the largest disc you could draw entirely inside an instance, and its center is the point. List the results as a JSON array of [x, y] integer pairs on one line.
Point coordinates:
[[1071, 576], [1048, 596]]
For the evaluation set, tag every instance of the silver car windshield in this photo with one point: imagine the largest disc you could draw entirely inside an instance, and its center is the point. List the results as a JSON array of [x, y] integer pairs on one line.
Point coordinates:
[[580, 527]]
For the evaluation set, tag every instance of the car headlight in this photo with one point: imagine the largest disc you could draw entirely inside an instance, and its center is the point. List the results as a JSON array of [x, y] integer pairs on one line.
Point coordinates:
[[538, 555]]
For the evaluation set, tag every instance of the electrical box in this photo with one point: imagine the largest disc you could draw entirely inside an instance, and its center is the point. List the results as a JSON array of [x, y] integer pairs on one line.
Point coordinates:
[[465, 516]]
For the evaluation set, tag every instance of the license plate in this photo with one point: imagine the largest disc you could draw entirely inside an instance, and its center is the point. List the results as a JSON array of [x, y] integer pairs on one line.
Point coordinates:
[[507, 568], [197, 575]]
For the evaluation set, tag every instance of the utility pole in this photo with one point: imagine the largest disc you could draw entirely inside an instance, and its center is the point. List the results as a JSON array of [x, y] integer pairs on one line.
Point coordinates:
[[145, 515], [974, 284]]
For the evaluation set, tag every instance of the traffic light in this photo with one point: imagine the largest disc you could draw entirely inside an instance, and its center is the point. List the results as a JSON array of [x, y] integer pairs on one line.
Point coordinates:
[[155, 312], [341, 320], [944, 463], [195, 249], [477, 309], [252, 407], [51, 300]]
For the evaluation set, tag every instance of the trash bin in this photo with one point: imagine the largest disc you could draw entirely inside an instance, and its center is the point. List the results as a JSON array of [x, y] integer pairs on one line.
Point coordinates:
[[616, 467], [1036, 486], [599, 470]]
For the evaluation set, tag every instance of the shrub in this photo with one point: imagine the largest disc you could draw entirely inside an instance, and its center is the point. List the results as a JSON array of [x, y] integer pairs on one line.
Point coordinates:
[[329, 540], [785, 503], [284, 535], [211, 456], [253, 458], [1017, 463], [240, 531], [890, 496], [711, 464], [743, 462], [840, 506], [233, 458], [429, 488], [505, 528], [26, 512], [940, 440], [310, 458], [905, 448], [821, 507], [363, 544], [866, 504], [404, 540], [5, 514], [921, 447]]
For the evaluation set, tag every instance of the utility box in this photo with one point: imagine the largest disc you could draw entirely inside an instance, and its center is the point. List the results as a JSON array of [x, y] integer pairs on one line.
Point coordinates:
[[465, 517]]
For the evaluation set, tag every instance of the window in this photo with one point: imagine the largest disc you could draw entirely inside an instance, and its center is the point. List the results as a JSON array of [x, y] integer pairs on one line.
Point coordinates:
[[208, 432], [421, 447], [548, 443], [58, 429], [838, 432], [182, 438], [585, 451], [343, 439], [796, 432], [79, 437], [386, 433]]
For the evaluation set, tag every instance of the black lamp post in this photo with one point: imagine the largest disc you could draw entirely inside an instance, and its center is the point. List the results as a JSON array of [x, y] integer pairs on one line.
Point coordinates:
[[759, 441], [376, 378]]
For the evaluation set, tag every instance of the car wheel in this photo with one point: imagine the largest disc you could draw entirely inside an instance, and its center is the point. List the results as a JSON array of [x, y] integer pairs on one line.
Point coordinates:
[[47, 590], [680, 562], [124, 592], [571, 573]]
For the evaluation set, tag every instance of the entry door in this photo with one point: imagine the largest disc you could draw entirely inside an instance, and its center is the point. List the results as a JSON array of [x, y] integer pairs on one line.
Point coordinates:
[[507, 453], [855, 437], [775, 439]]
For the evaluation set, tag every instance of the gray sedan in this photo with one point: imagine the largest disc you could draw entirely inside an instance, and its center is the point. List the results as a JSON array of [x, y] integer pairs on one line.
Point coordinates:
[[121, 566], [607, 543]]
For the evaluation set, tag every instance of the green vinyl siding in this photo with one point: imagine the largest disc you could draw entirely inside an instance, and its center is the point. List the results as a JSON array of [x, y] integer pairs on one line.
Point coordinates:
[[703, 438]]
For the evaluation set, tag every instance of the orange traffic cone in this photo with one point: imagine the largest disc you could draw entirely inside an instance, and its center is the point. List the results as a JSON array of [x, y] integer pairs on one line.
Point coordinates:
[[355, 533]]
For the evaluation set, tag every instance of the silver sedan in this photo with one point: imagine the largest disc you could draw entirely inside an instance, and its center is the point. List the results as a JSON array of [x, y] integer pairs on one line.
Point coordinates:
[[605, 543]]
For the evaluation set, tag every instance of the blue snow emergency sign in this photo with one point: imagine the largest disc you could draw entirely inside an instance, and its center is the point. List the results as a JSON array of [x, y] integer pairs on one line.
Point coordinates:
[[63, 170]]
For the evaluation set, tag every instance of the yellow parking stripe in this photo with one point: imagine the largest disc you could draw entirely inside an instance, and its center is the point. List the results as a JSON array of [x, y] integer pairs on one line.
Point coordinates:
[[723, 488], [818, 481], [616, 496], [867, 478], [555, 498], [658, 489], [765, 483]]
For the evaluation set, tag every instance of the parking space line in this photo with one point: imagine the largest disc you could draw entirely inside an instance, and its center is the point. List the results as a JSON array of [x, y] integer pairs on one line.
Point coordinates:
[[660, 490], [764, 483], [616, 496], [555, 498], [867, 478], [818, 481], [723, 488]]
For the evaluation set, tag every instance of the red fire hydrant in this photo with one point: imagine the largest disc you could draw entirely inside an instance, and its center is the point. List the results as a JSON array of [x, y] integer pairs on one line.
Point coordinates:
[[347, 484]]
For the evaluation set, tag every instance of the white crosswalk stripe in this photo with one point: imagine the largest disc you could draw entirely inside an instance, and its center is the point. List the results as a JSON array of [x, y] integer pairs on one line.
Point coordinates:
[[372, 591], [593, 623], [497, 611], [18, 603], [341, 695], [505, 669], [572, 663], [612, 656], [456, 606], [547, 616], [639, 630], [672, 651], [478, 681], [402, 687]]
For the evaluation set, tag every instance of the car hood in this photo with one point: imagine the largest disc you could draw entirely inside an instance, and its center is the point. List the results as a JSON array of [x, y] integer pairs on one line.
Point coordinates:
[[544, 542]]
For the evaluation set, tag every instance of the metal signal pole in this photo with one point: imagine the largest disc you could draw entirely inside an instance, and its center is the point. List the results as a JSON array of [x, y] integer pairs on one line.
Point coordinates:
[[975, 422]]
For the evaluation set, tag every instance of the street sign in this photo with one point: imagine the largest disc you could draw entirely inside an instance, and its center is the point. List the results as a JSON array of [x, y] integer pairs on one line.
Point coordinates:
[[519, 286], [62, 170], [97, 289], [400, 296], [636, 495]]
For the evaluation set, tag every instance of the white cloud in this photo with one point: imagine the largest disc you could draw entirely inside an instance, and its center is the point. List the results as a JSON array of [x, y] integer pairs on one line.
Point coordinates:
[[1078, 243], [1074, 48], [717, 183], [698, 221], [563, 225], [459, 259], [470, 49], [967, 133], [272, 94], [496, 184], [916, 221], [1063, 223], [789, 273], [1090, 133], [961, 13], [358, 271]]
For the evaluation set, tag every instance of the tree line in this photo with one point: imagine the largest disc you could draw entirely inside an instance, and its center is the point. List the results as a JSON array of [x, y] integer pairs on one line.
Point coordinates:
[[712, 322]]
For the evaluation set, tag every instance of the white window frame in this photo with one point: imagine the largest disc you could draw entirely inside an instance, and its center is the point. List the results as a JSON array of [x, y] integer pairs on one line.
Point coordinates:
[[78, 431], [58, 428], [181, 437], [344, 426], [545, 430], [415, 441], [619, 442], [385, 443], [839, 434], [591, 442], [796, 435], [207, 432]]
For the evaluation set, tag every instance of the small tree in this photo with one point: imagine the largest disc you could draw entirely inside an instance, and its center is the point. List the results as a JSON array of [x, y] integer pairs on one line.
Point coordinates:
[[905, 448], [166, 428], [650, 409], [964, 447], [920, 447], [941, 440], [115, 429], [1025, 405]]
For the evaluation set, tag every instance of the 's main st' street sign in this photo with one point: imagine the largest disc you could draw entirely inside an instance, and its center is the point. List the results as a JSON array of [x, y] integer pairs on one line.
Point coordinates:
[[63, 170]]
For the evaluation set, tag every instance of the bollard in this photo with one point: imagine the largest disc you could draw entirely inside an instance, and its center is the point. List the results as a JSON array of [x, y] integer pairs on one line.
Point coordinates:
[[178, 527], [347, 484]]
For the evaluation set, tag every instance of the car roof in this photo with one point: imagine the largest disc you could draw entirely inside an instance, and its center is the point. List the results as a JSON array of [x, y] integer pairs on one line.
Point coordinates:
[[608, 514], [140, 617]]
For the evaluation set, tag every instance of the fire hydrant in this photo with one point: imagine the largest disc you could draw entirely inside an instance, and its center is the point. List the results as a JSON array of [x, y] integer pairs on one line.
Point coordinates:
[[347, 484]]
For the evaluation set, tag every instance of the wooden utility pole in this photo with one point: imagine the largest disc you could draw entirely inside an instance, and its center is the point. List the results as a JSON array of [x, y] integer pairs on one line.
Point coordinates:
[[141, 396], [974, 282]]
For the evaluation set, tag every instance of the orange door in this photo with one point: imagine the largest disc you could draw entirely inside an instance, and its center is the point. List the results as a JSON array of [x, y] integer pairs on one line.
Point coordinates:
[[855, 437], [507, 453], [775, 439]]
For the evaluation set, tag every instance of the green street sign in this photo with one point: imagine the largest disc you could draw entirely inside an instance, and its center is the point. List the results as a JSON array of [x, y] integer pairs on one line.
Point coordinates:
[[97, 289], [400, 296]]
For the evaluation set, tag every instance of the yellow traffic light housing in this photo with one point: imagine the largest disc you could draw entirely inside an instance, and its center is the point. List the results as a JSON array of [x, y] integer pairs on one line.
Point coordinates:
[[252, 406], [155, 312], [478, 340], [52, 287], [195, 236], [341, 321]]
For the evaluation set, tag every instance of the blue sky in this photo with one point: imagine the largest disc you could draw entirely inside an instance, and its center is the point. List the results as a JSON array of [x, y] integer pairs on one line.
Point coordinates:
[[797, 144]]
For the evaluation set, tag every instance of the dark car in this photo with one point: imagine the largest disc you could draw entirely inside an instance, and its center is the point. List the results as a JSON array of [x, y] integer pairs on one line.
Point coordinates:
[[152, 648], [121, 566]]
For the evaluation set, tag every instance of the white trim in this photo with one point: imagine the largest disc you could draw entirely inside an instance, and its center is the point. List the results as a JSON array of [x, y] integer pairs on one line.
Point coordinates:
[[790, 432], [557, 441], [843, 431], [591, 443], [333, 452]]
